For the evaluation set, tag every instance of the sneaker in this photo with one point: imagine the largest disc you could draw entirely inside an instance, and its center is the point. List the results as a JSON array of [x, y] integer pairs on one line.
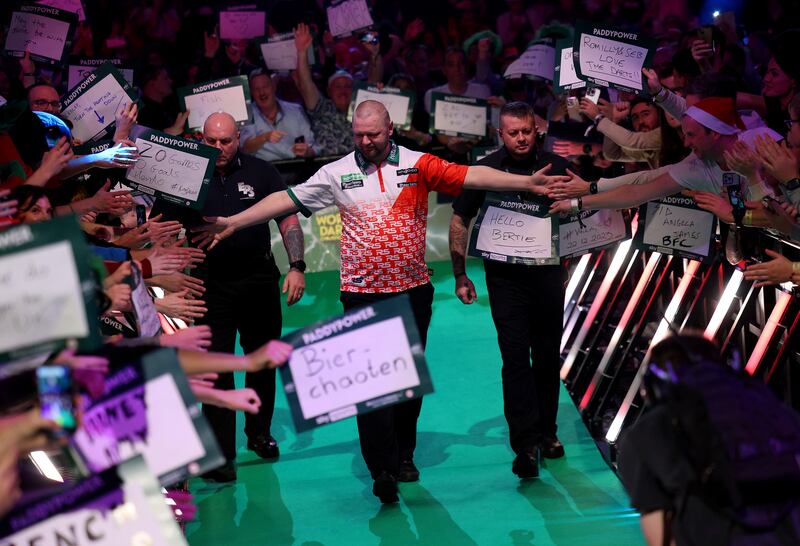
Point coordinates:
[[408, 472], [552, 448], [385, 488], [223, 474], [264, 446], [526, 464]]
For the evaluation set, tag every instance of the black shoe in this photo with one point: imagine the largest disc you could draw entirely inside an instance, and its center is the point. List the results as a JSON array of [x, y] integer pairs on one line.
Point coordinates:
[[223, 474], [385, 488], [264, 446], [552, 448], [526, 464], [408, 472]]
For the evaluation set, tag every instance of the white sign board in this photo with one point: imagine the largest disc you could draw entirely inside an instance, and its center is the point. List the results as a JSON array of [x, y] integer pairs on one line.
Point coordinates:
[[230, 100], [75, 6], [348, 16], [77, 73], [92, 105], [242, 25], [43, 36], [459, 116], [167, 170], [537, 61], [672, 227], [508, 233], [609, 57], [591, 230], [398, 104], [566, 77]]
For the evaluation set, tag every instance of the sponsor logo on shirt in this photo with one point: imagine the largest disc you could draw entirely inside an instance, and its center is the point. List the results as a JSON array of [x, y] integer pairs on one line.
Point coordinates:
[[247, 191], [358, 281], [406, 184], [352, 181], [403, 172]]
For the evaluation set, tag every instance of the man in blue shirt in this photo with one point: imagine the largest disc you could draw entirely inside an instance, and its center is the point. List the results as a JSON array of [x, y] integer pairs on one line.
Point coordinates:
[[280, 129]]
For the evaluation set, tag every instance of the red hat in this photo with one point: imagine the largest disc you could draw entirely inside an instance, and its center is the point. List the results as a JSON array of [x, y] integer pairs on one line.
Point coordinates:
[[718, 114]]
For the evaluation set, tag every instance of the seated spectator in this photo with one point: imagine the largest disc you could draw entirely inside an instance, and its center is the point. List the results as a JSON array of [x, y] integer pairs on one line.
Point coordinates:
[[43, 97], [33, 204], [158, 108], [280, 129]]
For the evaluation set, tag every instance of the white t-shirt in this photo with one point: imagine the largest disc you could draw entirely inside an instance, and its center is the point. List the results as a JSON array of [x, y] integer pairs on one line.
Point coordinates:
[[474, 90]]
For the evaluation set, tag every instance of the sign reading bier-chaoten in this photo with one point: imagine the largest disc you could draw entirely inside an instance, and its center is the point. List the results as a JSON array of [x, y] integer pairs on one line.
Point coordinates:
[[676, 225], [611, 58], [91, 105], [591, 230], [515, 231], [172, 168], [459, 116], [229, 95], [45, 31], [366, 359]]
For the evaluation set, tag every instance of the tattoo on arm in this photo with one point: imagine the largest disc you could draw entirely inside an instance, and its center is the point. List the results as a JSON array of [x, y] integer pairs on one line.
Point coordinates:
[[458, 244], [292, 235]]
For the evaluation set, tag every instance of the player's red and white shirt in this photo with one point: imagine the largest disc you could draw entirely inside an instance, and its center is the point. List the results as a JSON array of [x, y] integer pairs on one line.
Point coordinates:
[[384, 210]]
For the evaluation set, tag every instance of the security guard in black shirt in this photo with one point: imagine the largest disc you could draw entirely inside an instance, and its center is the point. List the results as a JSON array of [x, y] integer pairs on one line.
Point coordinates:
[[241, 277], [527, 304]]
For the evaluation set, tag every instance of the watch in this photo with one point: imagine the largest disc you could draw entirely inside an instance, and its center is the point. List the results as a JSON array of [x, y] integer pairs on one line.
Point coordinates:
[[792, 184], [593, 187], [299, 265]]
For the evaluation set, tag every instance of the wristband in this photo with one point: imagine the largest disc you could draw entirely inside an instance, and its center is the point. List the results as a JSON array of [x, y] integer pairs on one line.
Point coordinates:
[[598, 118], [661, 95], [795, 267], [593, 187], [792, 184], [747, 219], [298, 265]]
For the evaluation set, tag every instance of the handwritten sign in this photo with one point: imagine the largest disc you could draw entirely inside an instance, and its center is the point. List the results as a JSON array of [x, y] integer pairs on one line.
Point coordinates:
[[366, 359], [348, 16], [92, 104], [511, 230], [280, 53], [229, 95], [122, 505], [46, 288], [565, 77], [45, 31], [127, 420], [611, 58], [79, 72], [147, 322], [171, 168], [75, 6], [591, 230], [242, 25], [455, 115], [400, 104], [537, 62], [675, 225]]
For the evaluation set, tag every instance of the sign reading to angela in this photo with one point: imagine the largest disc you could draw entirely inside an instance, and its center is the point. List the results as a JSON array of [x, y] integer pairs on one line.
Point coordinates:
[[366, 359], [676, 225], [44, 31], [172, 168], [591, 230], [92, 104], [611, 58], [47, 293], [229, 95], [400, 104], [515, 231]]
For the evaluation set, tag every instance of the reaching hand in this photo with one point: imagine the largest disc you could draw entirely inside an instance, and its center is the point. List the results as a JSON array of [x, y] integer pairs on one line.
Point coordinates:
[[275, 353], [775, 271], [194, 338], [778, 160], [203, 379], [125, 118], [560, 207], [210, 234], [54, 160], [573, 187], [161, 231], [702, 53], [589, 108], [653, 81], [302, 38], [115, 203], [742, 159], [293, 286], [120, 296], [122, 155], [118, 276], [176, 129], [780, 219], [713, 203], [465, 290], [26, 65], [180, 305], [241, 400], [541, 178], [164, 262], [177, 282]]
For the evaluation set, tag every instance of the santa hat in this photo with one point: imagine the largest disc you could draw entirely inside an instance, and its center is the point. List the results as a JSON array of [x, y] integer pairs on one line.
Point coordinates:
[[718, 114]]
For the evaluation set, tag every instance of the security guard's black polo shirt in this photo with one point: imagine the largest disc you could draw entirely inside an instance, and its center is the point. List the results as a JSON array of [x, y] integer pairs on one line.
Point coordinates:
[[243, 183]]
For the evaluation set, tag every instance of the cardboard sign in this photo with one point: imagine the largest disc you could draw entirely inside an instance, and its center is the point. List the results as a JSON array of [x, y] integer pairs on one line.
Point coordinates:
[[172, 168], [676, 225], [75, 6], [79, 72], [611, 58], [47, 292], [399, 103], [123, 505], [45, 31], [455, 115], [129, 420], [366, 359], [94, 148], [347, 16], [92, 104], [144, 310], [280, 53], [591, 230], [537, 62], [242, 25], [515, 231], [565, 77], [229, 95]]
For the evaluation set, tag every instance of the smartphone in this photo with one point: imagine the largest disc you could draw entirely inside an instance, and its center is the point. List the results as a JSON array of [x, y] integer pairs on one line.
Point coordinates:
[[370, 38], [707, 35], [56, 396], [731, 179], [141, 214], [574, 109], [299, 140], [593, 94], [770, 203]]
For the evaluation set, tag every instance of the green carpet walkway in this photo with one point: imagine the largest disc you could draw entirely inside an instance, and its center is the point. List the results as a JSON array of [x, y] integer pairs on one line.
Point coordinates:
[[318, 493]]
